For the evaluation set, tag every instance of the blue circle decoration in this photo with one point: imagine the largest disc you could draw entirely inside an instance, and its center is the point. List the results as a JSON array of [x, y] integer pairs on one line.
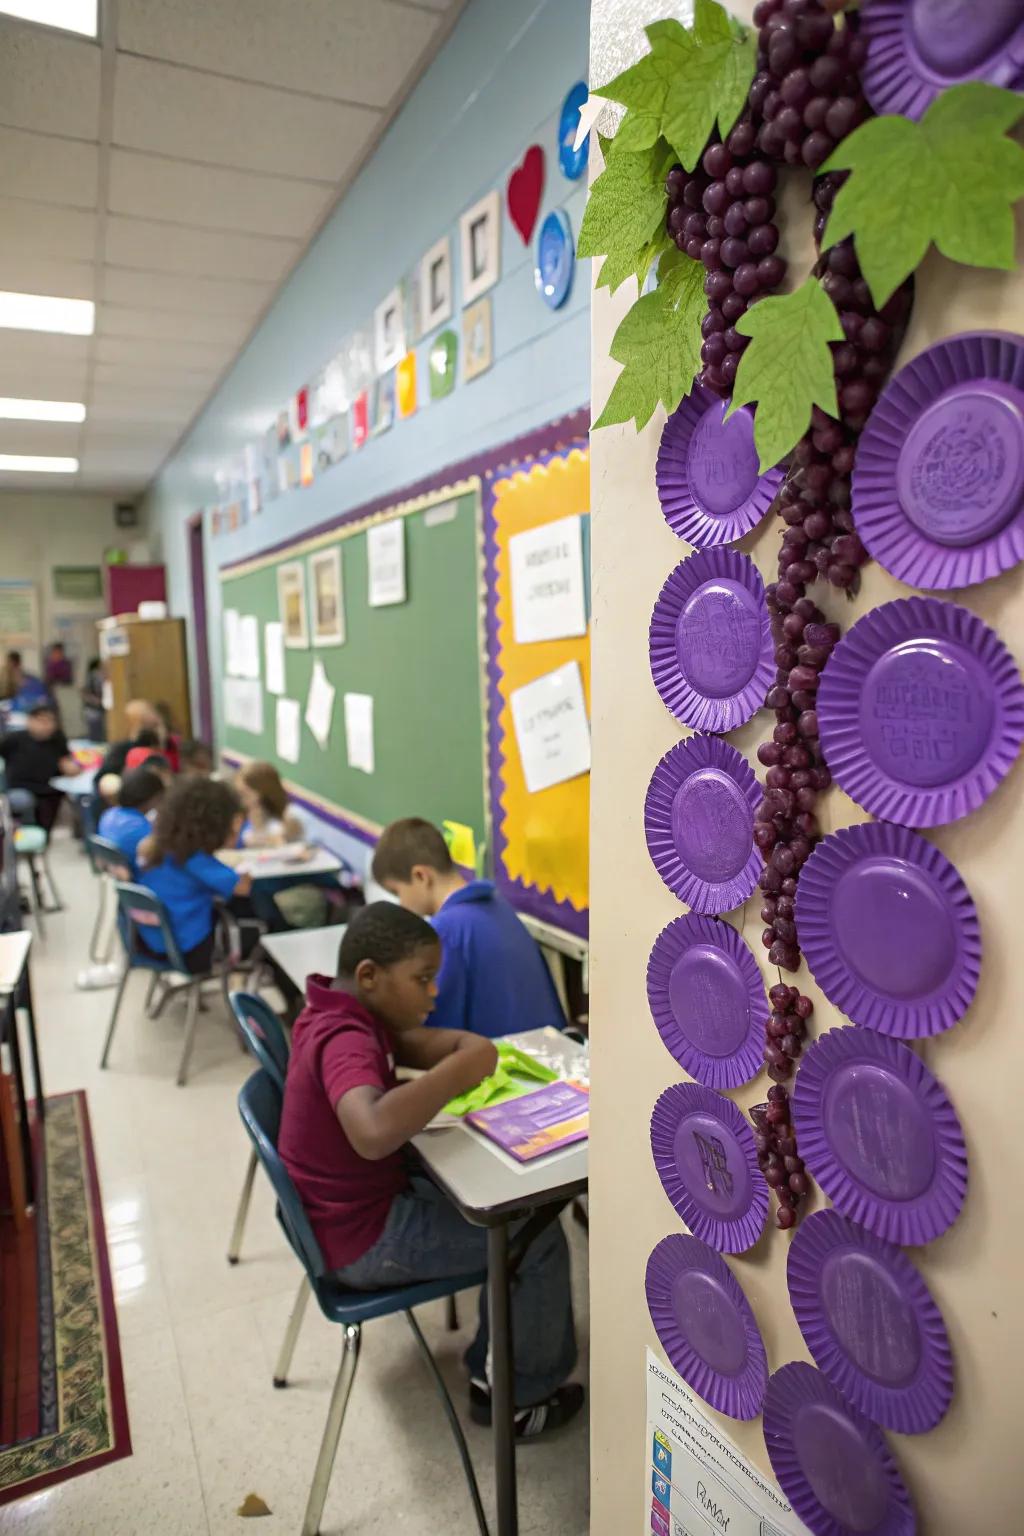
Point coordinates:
[[573, 161], [555, 259]]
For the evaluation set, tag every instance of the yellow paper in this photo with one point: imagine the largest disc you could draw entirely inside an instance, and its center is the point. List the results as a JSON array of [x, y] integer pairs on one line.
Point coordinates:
[[461, 843], [405, 385], [306, 464]]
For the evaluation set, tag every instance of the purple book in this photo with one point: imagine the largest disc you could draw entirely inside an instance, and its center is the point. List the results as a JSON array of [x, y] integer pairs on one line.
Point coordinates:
[[535, 1123]]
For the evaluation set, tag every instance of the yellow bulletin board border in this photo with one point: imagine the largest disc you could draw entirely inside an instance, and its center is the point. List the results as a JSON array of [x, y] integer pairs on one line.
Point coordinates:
[[541, 841]]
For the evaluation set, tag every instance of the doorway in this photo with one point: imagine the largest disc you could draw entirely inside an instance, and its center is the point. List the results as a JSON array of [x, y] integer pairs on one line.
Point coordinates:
[[197, 573]]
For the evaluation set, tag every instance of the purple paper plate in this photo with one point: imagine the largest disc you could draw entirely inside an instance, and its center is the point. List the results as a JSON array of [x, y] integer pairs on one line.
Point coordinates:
[[704, 1152], [870, 1322], [712, 657], [710, 488], [707, 998], [706, 1325], [921, 712], [832, 1463], [699, 821], [917, 48], [889, 930], [938, 486], [878, 1133]]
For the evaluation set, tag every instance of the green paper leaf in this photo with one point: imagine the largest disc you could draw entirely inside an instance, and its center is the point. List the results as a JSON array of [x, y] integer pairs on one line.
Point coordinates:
[[950, 179], [658, 344], [625, 210], [710, 80], [787, 368], [642, 87]]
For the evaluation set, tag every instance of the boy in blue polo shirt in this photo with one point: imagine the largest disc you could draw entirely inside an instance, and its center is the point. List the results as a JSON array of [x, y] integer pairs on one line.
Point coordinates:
[[493, 979], [128, 822]]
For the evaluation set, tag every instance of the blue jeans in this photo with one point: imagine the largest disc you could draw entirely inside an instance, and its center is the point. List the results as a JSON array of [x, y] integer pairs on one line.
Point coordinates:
[[427, 1239]]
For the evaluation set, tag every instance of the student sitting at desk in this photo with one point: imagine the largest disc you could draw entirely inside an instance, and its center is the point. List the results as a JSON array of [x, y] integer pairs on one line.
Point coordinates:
[[346, 1121], [193, 820], [32, 758], [143, 724], [270, 818], [195, 760], [493, 977], [128, 822]]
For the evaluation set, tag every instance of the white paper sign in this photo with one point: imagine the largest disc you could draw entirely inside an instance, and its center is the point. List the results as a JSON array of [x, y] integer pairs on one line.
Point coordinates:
[[552, 730], [547, 582], [231, 647], [243, 704], [249, 647], [359, 731], [273, 642], [320, 704], [288, 730], [696, 1481], [385, 554]]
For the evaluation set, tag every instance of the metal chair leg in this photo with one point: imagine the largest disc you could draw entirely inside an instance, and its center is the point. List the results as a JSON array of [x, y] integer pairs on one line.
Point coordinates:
[[453, 1420], [165, 991], [235, 1245], [113, 1017], [154, 977], [291, 1334], [57, 904], [191, 1021], [332, 1431], [452, 1315], [96, 952], [36, 898]]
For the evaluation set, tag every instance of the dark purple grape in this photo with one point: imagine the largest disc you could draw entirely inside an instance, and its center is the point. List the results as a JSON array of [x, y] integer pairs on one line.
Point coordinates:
[[745, 279], [807, 724], [842, 116], [759, 178], [734, 254], [693, 195], [735, 220], [770, 271], [816, 149], [716, 198], [785, 1217], [733, 307], [762, 240], [710, 254], [715, 227], [712, 322], [758, 210], [717, 161], [734, 181], [718, 285], [741, 140]]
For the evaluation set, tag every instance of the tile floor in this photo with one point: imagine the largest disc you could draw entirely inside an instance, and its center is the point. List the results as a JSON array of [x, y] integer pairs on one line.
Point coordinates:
[[199, 1337]]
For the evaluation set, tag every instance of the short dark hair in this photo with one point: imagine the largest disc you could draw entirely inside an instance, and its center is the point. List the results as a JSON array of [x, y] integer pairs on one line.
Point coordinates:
[[190, 750], [139, 787], [404, 844], [14, 657], [146, 738], [44, 707], [385, 933]]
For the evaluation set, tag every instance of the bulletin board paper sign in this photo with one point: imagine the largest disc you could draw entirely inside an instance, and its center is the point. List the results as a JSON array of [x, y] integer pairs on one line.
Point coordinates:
[[552, 729], [273, 646], [232, 648], [444, 512], [291, 603], [320, 705], [249, 647], [19, 614], [288, 730], [328, 596], [385, 555], [698, 1475], [359, 731], [243, 705], [548, 597], [389, 331]]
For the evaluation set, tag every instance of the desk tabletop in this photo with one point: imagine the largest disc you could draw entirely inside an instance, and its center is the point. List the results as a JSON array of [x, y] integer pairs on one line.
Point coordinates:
[[75, 784], [304, 952], [273, 864], [14, 948]]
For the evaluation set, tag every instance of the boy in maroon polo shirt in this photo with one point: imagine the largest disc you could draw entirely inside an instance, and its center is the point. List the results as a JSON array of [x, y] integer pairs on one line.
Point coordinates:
[[345, 1122]]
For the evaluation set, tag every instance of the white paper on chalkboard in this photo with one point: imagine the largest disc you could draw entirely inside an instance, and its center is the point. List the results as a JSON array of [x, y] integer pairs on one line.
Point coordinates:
[[359, 731], [385, 555], [551, 726], [288, 725], [273, 642], [243, 704], [320, 704], [249, 647], [232, 661], [548, 601]]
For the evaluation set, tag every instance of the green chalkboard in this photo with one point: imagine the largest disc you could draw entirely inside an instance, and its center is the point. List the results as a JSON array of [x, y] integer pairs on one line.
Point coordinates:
[[419, 660]]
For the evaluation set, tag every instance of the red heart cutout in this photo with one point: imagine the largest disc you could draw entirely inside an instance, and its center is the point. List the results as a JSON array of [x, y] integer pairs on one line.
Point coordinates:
[[525, 186]]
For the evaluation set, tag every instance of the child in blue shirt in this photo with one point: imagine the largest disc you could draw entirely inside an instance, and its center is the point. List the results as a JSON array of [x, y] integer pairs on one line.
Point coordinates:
[[194, 819], [493, 980], [129, 822]]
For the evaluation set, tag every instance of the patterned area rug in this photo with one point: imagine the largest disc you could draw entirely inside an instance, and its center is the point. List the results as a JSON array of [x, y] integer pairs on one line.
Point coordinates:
[[62, 1403]]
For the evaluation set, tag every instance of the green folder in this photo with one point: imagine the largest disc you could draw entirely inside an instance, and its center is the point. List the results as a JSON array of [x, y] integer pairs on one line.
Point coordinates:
[[516, 1074]]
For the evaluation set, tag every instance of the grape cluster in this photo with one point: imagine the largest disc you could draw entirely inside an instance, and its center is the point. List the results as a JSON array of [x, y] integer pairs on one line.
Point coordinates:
[[777, 1156], [807, 89], [786, 1030]]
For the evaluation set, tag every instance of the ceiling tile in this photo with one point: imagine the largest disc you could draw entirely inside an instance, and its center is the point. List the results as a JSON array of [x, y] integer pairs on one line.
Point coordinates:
[[114, 320], [48, 82], [39, 437], [48, 170], [112, 402], [145, 349], [21, 273], [201, 295], [39, 229], [41, 381], [207, 253], [161, 375], [149, 186], [353, 50], [190, 116], [119, 464], [43, 349]]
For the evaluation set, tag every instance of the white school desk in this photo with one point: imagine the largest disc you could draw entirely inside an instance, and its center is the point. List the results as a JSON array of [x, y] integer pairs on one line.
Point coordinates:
[[15, 993], [281, 870], [78, 785], [303, 952]]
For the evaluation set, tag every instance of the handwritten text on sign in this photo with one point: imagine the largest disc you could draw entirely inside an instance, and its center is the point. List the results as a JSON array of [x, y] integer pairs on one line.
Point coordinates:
[[552, 730], [548, 600]]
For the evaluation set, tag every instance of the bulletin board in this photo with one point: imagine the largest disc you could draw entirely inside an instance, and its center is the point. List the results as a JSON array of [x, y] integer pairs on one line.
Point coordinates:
[[419, 660], [541, 840]]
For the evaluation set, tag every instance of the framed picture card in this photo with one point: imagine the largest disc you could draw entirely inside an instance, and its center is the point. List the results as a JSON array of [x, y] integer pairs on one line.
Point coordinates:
[[328, 597], [480, 233], [389, 331], [436, 286], [291, 604], [476, 339]]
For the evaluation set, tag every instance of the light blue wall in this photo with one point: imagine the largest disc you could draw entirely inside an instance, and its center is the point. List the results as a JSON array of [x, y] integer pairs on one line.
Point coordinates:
[[495, 88]]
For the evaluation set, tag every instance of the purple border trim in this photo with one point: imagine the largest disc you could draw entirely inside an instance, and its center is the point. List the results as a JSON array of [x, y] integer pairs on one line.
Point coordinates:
[[540, 448]]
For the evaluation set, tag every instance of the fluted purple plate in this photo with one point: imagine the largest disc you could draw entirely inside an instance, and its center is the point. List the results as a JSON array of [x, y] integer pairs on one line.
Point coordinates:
[[834, 1466], [706, 1325], [712, 657], [880, 1136], [699, 821], [709, 485], [707, 998], [704, 1152], [917, 48]]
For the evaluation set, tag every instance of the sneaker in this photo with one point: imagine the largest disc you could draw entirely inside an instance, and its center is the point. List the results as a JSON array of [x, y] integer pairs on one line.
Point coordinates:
[[555, 1411]]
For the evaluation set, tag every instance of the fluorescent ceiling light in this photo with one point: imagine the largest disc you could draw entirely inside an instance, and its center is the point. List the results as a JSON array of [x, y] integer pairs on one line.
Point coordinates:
[[38, 464], [41, 410], [39, 312], [70, 15]]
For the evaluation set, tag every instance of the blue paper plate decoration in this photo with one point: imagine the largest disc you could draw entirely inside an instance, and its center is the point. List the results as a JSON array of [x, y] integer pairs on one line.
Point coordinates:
[[555, 259], [573, 161]]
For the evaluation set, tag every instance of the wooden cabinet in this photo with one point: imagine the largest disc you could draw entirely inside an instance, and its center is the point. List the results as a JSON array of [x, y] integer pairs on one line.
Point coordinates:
[[145, 659]]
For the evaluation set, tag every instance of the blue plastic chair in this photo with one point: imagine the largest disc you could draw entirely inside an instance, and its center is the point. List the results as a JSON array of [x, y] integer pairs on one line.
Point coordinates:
[[139, 911], [259, 1103], [262, 1032], [109, 864]]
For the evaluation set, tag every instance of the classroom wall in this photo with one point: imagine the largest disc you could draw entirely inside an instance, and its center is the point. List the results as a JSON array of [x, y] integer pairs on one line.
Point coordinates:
[[969, 1468], [495, 88]]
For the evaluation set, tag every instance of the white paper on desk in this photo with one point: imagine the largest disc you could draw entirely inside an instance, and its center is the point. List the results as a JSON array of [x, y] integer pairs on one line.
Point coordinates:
[[385, 554], [249, 647], [243, 704], [289, 729], [551, 726], [232, 619], [547, 581], [320, 704], [273, 641], [359, 731]]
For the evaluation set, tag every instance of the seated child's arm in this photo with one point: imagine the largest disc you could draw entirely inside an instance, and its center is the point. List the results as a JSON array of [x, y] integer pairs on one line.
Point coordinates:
[[378, 1123], [423, 1048], [218, 877], [69, 766]]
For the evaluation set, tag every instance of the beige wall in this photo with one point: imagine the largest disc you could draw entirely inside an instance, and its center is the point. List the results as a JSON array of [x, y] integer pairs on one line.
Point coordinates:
[[968, 1472]]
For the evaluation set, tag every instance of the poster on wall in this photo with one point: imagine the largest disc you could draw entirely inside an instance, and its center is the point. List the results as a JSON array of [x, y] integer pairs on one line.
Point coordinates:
[[291, 604], [436, 286], [548, 597], [551, 726], [389, 331], [385, 555], [328, 597], [480, 246], [19, 618]]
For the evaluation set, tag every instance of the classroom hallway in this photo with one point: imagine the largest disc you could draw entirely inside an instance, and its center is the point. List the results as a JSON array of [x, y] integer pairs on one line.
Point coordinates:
[[199, 1337]]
